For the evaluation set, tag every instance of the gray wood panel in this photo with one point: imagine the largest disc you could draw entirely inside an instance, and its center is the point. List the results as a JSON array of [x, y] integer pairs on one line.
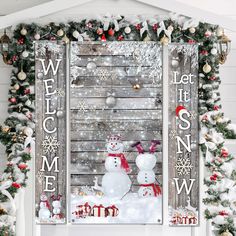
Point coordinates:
[[58, 103], [187, 65]]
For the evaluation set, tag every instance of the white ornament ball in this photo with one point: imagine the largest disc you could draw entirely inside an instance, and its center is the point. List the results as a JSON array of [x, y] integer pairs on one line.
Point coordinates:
[[37, 36], [91, 66], [60, 114], [213, 51], [28, 131], [21, 75], [110, 101], [23, 31], [40, 75], [192, 30], [207, 68], [170, 28], [146, 161], [16, 86], [175, 62], [28, 103], [76, 34], [60, 33], [25, 54], [127, 30], [219, 32]]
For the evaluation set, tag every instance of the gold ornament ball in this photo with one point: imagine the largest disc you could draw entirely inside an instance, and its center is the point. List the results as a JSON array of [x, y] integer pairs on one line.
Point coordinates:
[[23, 31], [226, 233], [21, 75], [5, 129], [164, 40], [60, 33], [76, 34], [65, 39], [219, 32], [206, 68], [192, 30], [136, 86]]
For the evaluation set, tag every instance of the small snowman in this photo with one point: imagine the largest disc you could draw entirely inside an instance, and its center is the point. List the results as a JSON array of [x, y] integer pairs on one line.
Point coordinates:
[[116, 182], [44, 212], [56, 207], [146, 176]]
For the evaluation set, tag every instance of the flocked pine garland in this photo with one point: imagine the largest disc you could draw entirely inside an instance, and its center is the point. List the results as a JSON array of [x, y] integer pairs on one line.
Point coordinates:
[[19, 126]]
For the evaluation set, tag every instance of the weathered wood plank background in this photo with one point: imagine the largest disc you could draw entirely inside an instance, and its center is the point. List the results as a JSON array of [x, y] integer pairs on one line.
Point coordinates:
[[54, 51], [187, 55], [137, 114]]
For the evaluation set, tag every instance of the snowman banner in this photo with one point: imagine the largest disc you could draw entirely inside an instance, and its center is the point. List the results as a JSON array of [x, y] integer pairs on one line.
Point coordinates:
[[116, 132], [50, 157], [183, 135]]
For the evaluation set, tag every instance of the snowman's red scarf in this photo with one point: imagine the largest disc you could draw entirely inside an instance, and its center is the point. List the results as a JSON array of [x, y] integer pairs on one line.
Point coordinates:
[[47, 203], [156, 188], [124, 163]]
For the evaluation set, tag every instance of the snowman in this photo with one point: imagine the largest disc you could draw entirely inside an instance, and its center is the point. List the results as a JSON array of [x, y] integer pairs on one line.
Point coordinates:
[[56, 207], [44, 213], [146, 176], [116, 182]]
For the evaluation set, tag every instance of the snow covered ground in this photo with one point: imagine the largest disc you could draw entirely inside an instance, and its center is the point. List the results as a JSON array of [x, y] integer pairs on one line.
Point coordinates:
[[132, 209]]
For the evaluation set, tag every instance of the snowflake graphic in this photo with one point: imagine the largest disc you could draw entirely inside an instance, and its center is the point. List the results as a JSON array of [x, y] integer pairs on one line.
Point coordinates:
[[183, 166], [193, 115], [172, 134], [50, 144], [40, 176], [60, 92], [82, 106], [103, 74]]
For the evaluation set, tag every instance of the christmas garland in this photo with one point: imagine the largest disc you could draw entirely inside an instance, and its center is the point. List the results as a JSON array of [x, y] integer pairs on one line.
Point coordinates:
[[17, 133]]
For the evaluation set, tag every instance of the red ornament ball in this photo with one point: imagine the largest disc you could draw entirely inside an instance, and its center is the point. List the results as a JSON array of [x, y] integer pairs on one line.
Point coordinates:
[[155, 27], [111, 32], [103, 38], [120, 37], [138, 26], [20, 40], [26, 91], [22, 166], [13, 100], [15, 185]]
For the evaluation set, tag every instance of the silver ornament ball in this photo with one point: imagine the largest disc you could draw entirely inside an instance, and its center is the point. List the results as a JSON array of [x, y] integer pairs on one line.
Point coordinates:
[[91, 66], [175, 62], [110, 101], [40, 75], [60, 114]]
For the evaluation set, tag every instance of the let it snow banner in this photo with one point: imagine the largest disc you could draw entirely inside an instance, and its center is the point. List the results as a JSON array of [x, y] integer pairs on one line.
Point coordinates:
[[183, 135], [50, 163]]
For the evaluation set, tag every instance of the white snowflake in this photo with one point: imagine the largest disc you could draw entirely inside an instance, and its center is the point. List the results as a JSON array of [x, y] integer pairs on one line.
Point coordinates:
[[60, 92], [172, 134], [193, 115], [183, 166], [50, 144], [82, 106], [103, 74], [40, 176]]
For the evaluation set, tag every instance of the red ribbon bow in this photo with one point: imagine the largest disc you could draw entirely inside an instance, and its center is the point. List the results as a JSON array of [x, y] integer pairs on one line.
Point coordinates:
[[156, 188], [124, 163]]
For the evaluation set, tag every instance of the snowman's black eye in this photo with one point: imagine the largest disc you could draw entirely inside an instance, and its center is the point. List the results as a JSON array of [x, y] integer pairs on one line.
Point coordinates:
[[111, 143], [116, 143]]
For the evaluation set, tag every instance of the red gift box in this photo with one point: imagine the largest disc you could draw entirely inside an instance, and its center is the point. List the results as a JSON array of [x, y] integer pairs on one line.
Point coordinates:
[[99, 211], [112, 211], [83, 210]]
